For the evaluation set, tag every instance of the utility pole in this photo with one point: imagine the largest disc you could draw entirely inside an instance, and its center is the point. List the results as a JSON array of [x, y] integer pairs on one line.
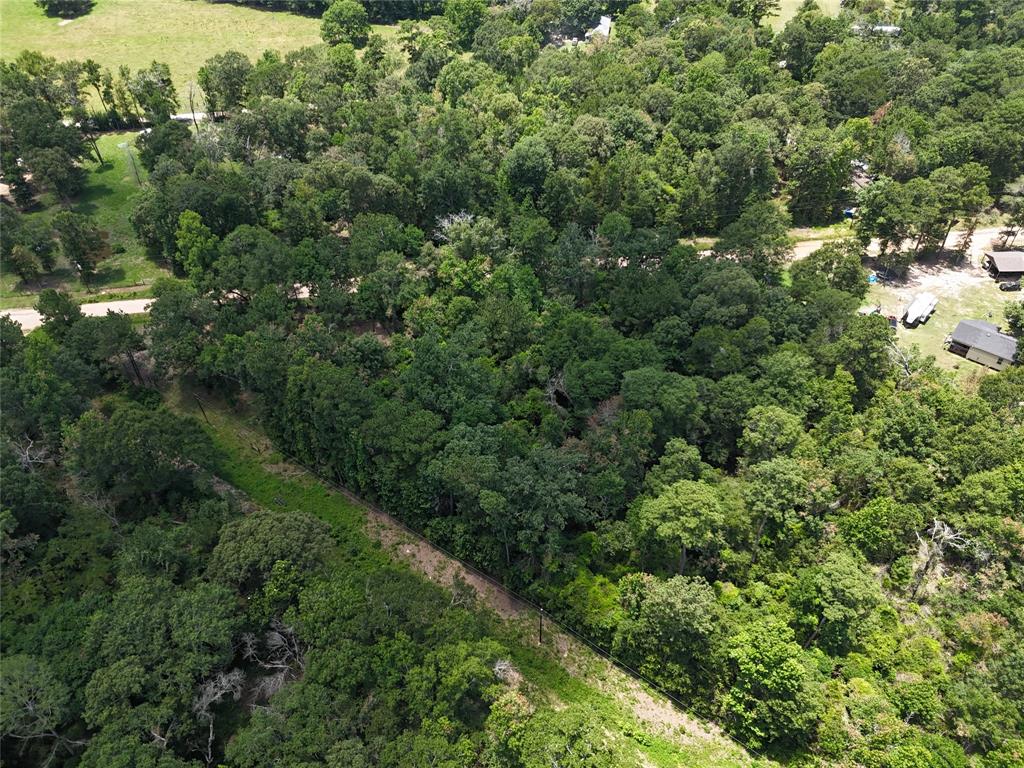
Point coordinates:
[[540, 626], [200, 404], [131, 161]]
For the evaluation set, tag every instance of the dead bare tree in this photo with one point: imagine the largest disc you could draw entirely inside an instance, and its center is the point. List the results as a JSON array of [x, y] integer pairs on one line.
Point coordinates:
[[213, 692], [900, 357], [192, 105], [279, 652], [28, 453], [941, 537], [452, 220]]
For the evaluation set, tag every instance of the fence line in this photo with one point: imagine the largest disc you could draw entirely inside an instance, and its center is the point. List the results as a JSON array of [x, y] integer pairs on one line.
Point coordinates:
[[526, 602]]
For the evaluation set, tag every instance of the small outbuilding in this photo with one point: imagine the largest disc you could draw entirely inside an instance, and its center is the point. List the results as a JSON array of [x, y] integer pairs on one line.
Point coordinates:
[[1008, 264], [983, 343], [603, 28]]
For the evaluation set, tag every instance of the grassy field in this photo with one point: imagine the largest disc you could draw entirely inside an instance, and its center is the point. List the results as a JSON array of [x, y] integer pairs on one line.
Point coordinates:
[[249, 463], [788, 9], [108, 198], [181, 33]]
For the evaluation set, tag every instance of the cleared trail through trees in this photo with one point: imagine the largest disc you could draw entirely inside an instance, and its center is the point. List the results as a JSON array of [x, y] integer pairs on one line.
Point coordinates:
[[652, 706]]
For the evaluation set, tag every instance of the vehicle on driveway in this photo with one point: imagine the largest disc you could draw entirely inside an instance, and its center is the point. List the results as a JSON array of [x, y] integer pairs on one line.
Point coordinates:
[[920, 309], [1013, 285]]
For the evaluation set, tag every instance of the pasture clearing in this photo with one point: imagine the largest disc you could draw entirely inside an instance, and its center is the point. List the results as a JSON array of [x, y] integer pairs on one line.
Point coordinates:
[[180, 33], [788, 9]]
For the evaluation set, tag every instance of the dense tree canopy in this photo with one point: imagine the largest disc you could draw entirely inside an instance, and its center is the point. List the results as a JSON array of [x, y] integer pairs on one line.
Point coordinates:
[[451, 272]]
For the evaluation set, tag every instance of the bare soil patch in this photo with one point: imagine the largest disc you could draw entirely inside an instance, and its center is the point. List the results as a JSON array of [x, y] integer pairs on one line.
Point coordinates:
[[653, 711], [437, 566]]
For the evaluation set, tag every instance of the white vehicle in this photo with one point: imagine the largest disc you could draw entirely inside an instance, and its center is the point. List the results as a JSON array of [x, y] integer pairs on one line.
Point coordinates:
[[920, 309]]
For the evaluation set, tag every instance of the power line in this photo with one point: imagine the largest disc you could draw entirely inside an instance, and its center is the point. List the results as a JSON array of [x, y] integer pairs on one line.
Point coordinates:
[[526, 603]]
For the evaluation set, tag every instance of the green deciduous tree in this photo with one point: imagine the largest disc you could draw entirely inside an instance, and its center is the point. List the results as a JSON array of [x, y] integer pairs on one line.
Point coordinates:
[[135, 454], [746, 167], [197, 246], [35, 701], [835, 265], [345, 21], [833, 599], [685, 516], [770, 432], [526, 166], [154, 92], [169, 139], [250, 547], [772, 699], [817, 170], [1013, 311], [882, 528], [23, 262], [758, 238], [668, 627], [223, 79], [81, 241], [463, 17]]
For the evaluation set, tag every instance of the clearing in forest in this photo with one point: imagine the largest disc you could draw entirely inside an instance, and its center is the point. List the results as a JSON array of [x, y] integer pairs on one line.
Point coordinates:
[[108, 198], [180, 33], [561, 671]]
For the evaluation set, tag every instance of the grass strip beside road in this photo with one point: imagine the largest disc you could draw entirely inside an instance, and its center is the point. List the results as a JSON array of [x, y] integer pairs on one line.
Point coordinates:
[[249, 463]]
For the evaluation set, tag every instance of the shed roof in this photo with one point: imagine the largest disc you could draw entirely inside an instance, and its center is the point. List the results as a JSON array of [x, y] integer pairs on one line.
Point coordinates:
[[604, 27], [986, 337], [1007, 261]]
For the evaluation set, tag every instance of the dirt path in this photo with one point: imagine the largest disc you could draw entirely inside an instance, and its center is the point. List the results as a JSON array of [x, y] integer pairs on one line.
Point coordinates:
[[436, 565], [982, 241], [654, 711], [29, 319]]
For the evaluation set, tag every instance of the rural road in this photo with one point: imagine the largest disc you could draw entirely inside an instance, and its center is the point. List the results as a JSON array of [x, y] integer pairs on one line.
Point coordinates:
[[984, 238], [29, 319]]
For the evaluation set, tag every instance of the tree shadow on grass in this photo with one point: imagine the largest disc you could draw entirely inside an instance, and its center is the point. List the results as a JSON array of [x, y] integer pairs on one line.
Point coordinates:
[[58, 279], [106, 275], [68, 9], [90, 199]]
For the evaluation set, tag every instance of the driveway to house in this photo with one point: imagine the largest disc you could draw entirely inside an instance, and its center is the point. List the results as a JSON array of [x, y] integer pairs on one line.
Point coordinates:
[[29, 319], [983, 240]]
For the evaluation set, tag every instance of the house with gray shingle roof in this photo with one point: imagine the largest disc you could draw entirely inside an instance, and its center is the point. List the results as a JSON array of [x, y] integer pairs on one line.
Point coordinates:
[[983, 343]]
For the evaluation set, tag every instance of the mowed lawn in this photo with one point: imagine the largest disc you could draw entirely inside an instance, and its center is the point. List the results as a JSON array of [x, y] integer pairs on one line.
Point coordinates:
[[108, 198], [181, 33]]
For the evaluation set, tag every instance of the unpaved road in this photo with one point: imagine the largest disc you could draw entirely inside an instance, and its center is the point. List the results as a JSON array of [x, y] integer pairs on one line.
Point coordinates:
[[29, 319], [983, 239], [652, 710]]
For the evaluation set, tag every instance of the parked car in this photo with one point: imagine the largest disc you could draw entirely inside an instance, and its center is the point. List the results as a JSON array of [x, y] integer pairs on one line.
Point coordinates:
[[1013, 285]]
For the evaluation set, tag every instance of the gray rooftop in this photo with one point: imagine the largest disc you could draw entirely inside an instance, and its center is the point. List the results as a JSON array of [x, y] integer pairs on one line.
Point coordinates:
[[1007, 261], [986, 337]]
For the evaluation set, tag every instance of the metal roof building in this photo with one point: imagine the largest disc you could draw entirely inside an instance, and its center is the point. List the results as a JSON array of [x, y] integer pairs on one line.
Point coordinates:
[[1004, 263]]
